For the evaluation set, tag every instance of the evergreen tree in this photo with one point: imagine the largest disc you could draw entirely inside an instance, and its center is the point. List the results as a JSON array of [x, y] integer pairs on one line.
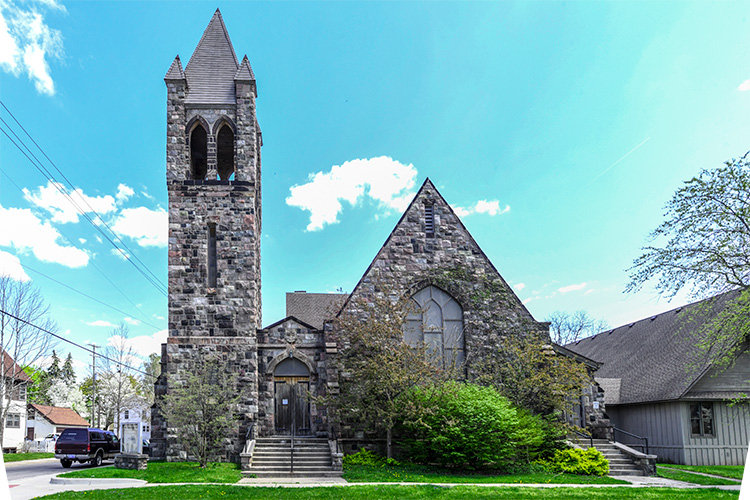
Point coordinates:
[[54, 368], [68, 374]]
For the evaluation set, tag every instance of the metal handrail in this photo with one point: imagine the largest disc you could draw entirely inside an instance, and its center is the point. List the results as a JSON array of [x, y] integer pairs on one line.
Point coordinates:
[[584, 435], [645, 439]]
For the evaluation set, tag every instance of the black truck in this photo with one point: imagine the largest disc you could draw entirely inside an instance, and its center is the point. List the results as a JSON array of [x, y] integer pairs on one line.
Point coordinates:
[[86, 445]]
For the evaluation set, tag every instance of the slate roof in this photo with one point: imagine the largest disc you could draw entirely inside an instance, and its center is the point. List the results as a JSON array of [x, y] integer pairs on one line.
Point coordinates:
[[314, 308], [211, 70], [13, 370], [60, 416], [654, 359]]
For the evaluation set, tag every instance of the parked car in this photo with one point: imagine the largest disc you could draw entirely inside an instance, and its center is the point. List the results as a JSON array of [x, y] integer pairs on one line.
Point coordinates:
[[146, 447], [86, 445], [52, 437]]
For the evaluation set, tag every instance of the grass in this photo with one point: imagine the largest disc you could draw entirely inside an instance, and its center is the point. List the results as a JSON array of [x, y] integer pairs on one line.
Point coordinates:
[[422, 474], [733, 471], [19, 457], [692, 478], [426, 492], [167, 472]]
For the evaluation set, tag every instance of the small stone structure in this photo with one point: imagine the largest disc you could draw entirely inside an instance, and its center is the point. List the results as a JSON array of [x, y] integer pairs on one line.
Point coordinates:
[[131, 444]]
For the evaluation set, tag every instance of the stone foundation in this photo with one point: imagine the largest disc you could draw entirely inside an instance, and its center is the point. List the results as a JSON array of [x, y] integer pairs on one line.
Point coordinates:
[[132, 461]]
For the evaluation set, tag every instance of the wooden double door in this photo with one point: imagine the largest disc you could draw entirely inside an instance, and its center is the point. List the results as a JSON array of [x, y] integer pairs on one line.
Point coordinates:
[[292, 405]]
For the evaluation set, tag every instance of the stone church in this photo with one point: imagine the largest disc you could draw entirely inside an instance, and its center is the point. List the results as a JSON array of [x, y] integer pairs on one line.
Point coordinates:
[[215, 215]]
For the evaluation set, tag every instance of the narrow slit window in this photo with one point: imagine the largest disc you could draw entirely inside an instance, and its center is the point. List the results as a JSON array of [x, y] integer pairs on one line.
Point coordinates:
[[198, 153], [429, 220], [225, 153], [212, 256]]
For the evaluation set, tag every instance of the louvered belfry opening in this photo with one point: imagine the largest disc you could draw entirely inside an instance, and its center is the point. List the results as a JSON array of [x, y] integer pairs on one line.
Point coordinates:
[[429, 220], [198, 153], [225, 152]]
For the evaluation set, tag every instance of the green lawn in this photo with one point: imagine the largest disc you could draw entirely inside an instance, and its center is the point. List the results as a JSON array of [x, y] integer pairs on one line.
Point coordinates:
[[419, 474], [18, 457], [692, 478], [168, 472], [733, 471], [426, 492]]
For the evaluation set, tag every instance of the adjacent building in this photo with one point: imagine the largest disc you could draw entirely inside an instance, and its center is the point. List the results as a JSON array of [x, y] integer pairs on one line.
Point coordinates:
[[14, 386]]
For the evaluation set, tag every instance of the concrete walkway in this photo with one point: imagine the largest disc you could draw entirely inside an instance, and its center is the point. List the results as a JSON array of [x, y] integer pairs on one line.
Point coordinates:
[[701, 474]]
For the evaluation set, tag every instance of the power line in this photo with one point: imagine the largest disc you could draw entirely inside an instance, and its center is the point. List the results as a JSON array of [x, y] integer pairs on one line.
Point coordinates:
[[121, 364], [93, 264], [142, 268]]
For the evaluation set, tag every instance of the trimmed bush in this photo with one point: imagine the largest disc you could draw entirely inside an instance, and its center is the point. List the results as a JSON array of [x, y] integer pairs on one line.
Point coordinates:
[[575, 461], [470, 426], [367, 457]]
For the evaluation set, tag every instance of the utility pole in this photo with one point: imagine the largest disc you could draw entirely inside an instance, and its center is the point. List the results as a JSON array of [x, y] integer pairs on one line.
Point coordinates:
[[93, 378]]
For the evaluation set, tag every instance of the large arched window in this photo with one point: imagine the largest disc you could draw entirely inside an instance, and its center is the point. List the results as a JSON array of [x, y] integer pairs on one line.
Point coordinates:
[[225, 152], [198, 153], [437, 320]]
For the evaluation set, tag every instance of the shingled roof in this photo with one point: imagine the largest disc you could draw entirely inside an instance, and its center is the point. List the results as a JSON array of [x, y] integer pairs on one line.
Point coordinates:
[[654, 359], [60, 416], [211, 70], [314, 308], [13, 370]]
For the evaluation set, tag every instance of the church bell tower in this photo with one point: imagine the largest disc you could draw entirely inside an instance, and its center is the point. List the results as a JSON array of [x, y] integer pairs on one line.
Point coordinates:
[[214, 190]]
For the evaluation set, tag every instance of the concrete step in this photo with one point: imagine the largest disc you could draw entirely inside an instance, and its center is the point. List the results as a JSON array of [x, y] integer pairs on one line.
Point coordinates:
[[289, 475]]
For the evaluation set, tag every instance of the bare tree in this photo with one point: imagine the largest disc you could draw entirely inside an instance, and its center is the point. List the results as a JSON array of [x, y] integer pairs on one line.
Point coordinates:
[[118, 384], [565, 328], [22, 310]]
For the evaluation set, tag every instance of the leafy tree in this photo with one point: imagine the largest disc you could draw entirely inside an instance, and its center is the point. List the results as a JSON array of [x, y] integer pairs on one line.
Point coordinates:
[[62, 394], [21, 306], [67, 373], [37, 390], [378, 367], [200, 410], [152, 366], [117, 384], [565, 328], [703, 246]]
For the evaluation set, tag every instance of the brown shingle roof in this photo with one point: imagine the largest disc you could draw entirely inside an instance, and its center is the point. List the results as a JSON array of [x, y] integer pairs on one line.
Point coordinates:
[[60, 416], [13, 370], [314, 308], [212, 67], [654, 359]]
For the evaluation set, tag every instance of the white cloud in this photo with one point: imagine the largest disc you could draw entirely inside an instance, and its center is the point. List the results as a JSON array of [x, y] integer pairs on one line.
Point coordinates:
[[489, 207], [744, 86], [519, 286], [51, 199], [122, 254], [26, 42], [572, 288], [132, 321], [382, 179], [143, 345], [10, 265], [123, 193], [147, 227], [24, 231], [100, 322]]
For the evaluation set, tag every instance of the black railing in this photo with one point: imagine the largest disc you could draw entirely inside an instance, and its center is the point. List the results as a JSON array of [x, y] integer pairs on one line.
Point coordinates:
[[636, 436], [586, 436]]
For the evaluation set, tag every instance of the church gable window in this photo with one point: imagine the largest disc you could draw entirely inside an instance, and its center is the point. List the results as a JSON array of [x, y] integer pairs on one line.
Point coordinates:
[[198, 152], [225, 152], [436, 320]]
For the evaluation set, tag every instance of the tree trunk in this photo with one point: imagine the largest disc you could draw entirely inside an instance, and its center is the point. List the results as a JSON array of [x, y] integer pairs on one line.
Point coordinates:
[[389, 439]]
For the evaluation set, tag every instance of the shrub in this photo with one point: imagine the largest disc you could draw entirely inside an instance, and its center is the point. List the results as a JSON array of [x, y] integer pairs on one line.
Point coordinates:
[[367, 457], [575, 461], [466, 425]]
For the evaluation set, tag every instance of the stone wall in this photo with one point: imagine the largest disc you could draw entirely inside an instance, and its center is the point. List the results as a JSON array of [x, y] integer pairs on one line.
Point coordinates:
[[289, 338]]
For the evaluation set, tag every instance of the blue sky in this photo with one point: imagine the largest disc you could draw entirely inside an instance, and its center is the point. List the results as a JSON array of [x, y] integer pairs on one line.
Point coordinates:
[[558, 129]]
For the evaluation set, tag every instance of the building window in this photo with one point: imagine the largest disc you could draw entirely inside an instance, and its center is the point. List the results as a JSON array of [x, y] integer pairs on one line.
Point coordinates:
[[702, 419], [13, 421], [437, 320], [199, 153], [429, 220], [30, 414], [212, 255], [126, 416], [225, 152]]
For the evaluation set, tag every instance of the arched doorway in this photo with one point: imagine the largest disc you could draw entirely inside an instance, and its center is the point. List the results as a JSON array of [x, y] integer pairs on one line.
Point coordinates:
[[292, 407]]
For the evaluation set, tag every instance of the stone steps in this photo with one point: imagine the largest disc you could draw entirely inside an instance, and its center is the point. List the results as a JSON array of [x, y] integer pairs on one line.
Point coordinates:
[[620, 464], [273, 458]]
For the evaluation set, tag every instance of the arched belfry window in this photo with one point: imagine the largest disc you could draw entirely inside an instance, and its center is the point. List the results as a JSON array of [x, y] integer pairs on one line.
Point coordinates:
[[225, 152], [437, 320], [198, 152]]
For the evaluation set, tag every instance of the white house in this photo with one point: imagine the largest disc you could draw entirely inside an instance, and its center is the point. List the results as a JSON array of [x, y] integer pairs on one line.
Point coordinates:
[[15, 383], [45, 420], [137, 413]]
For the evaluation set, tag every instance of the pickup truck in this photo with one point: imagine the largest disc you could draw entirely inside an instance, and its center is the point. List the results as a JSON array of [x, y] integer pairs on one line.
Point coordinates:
[[86, 445]]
